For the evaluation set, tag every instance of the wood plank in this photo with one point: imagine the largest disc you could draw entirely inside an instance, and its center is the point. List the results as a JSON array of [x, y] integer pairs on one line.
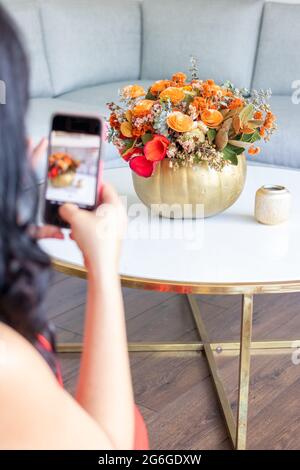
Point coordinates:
[[174, 390]]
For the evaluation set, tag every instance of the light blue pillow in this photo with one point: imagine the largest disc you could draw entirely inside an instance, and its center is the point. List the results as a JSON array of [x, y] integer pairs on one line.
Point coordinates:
[[222, 34], [90, 42], [26, 15], [278, 60]]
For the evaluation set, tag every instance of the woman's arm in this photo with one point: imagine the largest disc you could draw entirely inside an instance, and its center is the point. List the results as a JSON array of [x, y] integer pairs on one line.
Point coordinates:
[[36, 412], [104, 386]]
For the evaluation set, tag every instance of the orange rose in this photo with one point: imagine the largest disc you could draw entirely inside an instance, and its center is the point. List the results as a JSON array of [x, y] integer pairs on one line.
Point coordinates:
[[175, 95], [212, 118], [180, 122], [133, 91], [159, 86], [142, 108], [179, 78]]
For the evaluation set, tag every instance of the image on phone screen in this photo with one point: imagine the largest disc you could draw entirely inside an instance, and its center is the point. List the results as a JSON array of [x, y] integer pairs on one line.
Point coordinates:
[[73, 168]]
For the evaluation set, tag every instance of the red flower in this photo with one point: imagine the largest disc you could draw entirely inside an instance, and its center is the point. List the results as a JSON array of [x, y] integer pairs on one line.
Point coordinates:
[[156, 149], [53, 172], [133, 152], [141, 166]]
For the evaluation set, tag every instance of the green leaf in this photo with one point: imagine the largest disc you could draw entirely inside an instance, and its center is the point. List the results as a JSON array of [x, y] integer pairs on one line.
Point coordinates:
[[231, 153], [128, 145], [146, 137], [235, 149], [188, 98], [251, 138], [247, 113], [149, 96], [211, 134]]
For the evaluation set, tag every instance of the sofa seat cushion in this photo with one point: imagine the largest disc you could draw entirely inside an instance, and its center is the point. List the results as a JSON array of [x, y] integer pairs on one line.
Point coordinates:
[[222, 35], [90, 42], [25, 13], [278, 58], [284, 147]]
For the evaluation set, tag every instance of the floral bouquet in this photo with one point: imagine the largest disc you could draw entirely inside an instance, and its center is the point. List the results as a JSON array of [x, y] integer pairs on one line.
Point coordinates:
[[188, 122], [60, 164]]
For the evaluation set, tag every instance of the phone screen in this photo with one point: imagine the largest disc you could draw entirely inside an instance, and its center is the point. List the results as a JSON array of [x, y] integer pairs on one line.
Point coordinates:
[[73, 165]]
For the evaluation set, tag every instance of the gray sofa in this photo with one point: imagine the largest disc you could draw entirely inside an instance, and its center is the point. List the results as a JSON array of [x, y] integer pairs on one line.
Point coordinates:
[[83, 51]]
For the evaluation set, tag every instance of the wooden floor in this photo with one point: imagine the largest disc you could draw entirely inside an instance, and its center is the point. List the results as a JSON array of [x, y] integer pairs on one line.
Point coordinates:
[[174, 390]]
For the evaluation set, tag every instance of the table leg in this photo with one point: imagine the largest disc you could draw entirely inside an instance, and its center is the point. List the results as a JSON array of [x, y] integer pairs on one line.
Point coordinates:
[[244, 371], [209, 354]]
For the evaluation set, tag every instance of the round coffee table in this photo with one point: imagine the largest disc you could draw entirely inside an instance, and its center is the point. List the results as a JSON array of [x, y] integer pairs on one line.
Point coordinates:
[[227, 254]]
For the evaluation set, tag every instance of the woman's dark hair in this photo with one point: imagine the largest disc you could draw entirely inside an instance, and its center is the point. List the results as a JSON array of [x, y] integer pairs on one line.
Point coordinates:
[[24, 267]]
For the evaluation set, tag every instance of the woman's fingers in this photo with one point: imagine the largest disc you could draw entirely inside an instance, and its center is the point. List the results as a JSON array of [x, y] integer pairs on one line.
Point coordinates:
[[109, 195], [37, 152], [46, 231], [68, 211]]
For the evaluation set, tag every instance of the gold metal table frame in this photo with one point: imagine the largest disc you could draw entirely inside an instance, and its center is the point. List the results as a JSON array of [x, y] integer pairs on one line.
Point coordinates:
[[237, 428]]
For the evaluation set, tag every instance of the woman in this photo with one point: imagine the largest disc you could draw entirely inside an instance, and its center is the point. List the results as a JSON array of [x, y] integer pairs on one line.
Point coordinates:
[[36, 412]]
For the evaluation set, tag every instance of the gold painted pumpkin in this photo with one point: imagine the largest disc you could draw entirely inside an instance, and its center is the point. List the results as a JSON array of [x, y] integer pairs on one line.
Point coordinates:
[[197, 185], [64, 180]]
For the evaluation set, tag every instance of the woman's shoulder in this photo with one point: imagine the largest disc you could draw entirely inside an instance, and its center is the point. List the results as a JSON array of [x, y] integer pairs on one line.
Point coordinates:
[[34, 407], [22, 368], [16, 351]]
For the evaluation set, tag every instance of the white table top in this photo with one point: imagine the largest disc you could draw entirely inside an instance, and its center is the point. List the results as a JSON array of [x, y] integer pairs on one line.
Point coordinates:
[[230, 248]]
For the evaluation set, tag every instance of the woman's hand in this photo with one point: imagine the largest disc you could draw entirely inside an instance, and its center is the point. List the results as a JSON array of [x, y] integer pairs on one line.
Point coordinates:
[[45, 231], [98, 234], [37, 152]]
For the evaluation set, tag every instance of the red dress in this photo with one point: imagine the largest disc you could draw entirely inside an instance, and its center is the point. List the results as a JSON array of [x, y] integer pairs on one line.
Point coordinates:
[[141, 441]]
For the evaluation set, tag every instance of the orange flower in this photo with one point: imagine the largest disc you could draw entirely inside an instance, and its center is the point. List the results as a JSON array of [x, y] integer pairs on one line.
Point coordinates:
[[179, 78], [253, 150], [126, 129], [209, 88], [180, 122], [212, 118], [142, 108], [172, 93], [138, 131], [187, 88], [236, 103], [269, 121], [258, 115], [133, 91], [262, 131], [226, 92], [159, 86], [156, 149], [199, 103], [113, 121]]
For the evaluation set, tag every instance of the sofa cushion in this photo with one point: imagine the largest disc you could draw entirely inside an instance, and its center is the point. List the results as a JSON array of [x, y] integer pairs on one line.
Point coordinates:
[[100, 95], [221, 35], [26, 15], [91, 42], [284, 147], [278, 60]]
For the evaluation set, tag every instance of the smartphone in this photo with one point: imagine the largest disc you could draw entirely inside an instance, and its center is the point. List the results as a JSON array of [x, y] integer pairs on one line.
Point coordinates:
[[74, 165]]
